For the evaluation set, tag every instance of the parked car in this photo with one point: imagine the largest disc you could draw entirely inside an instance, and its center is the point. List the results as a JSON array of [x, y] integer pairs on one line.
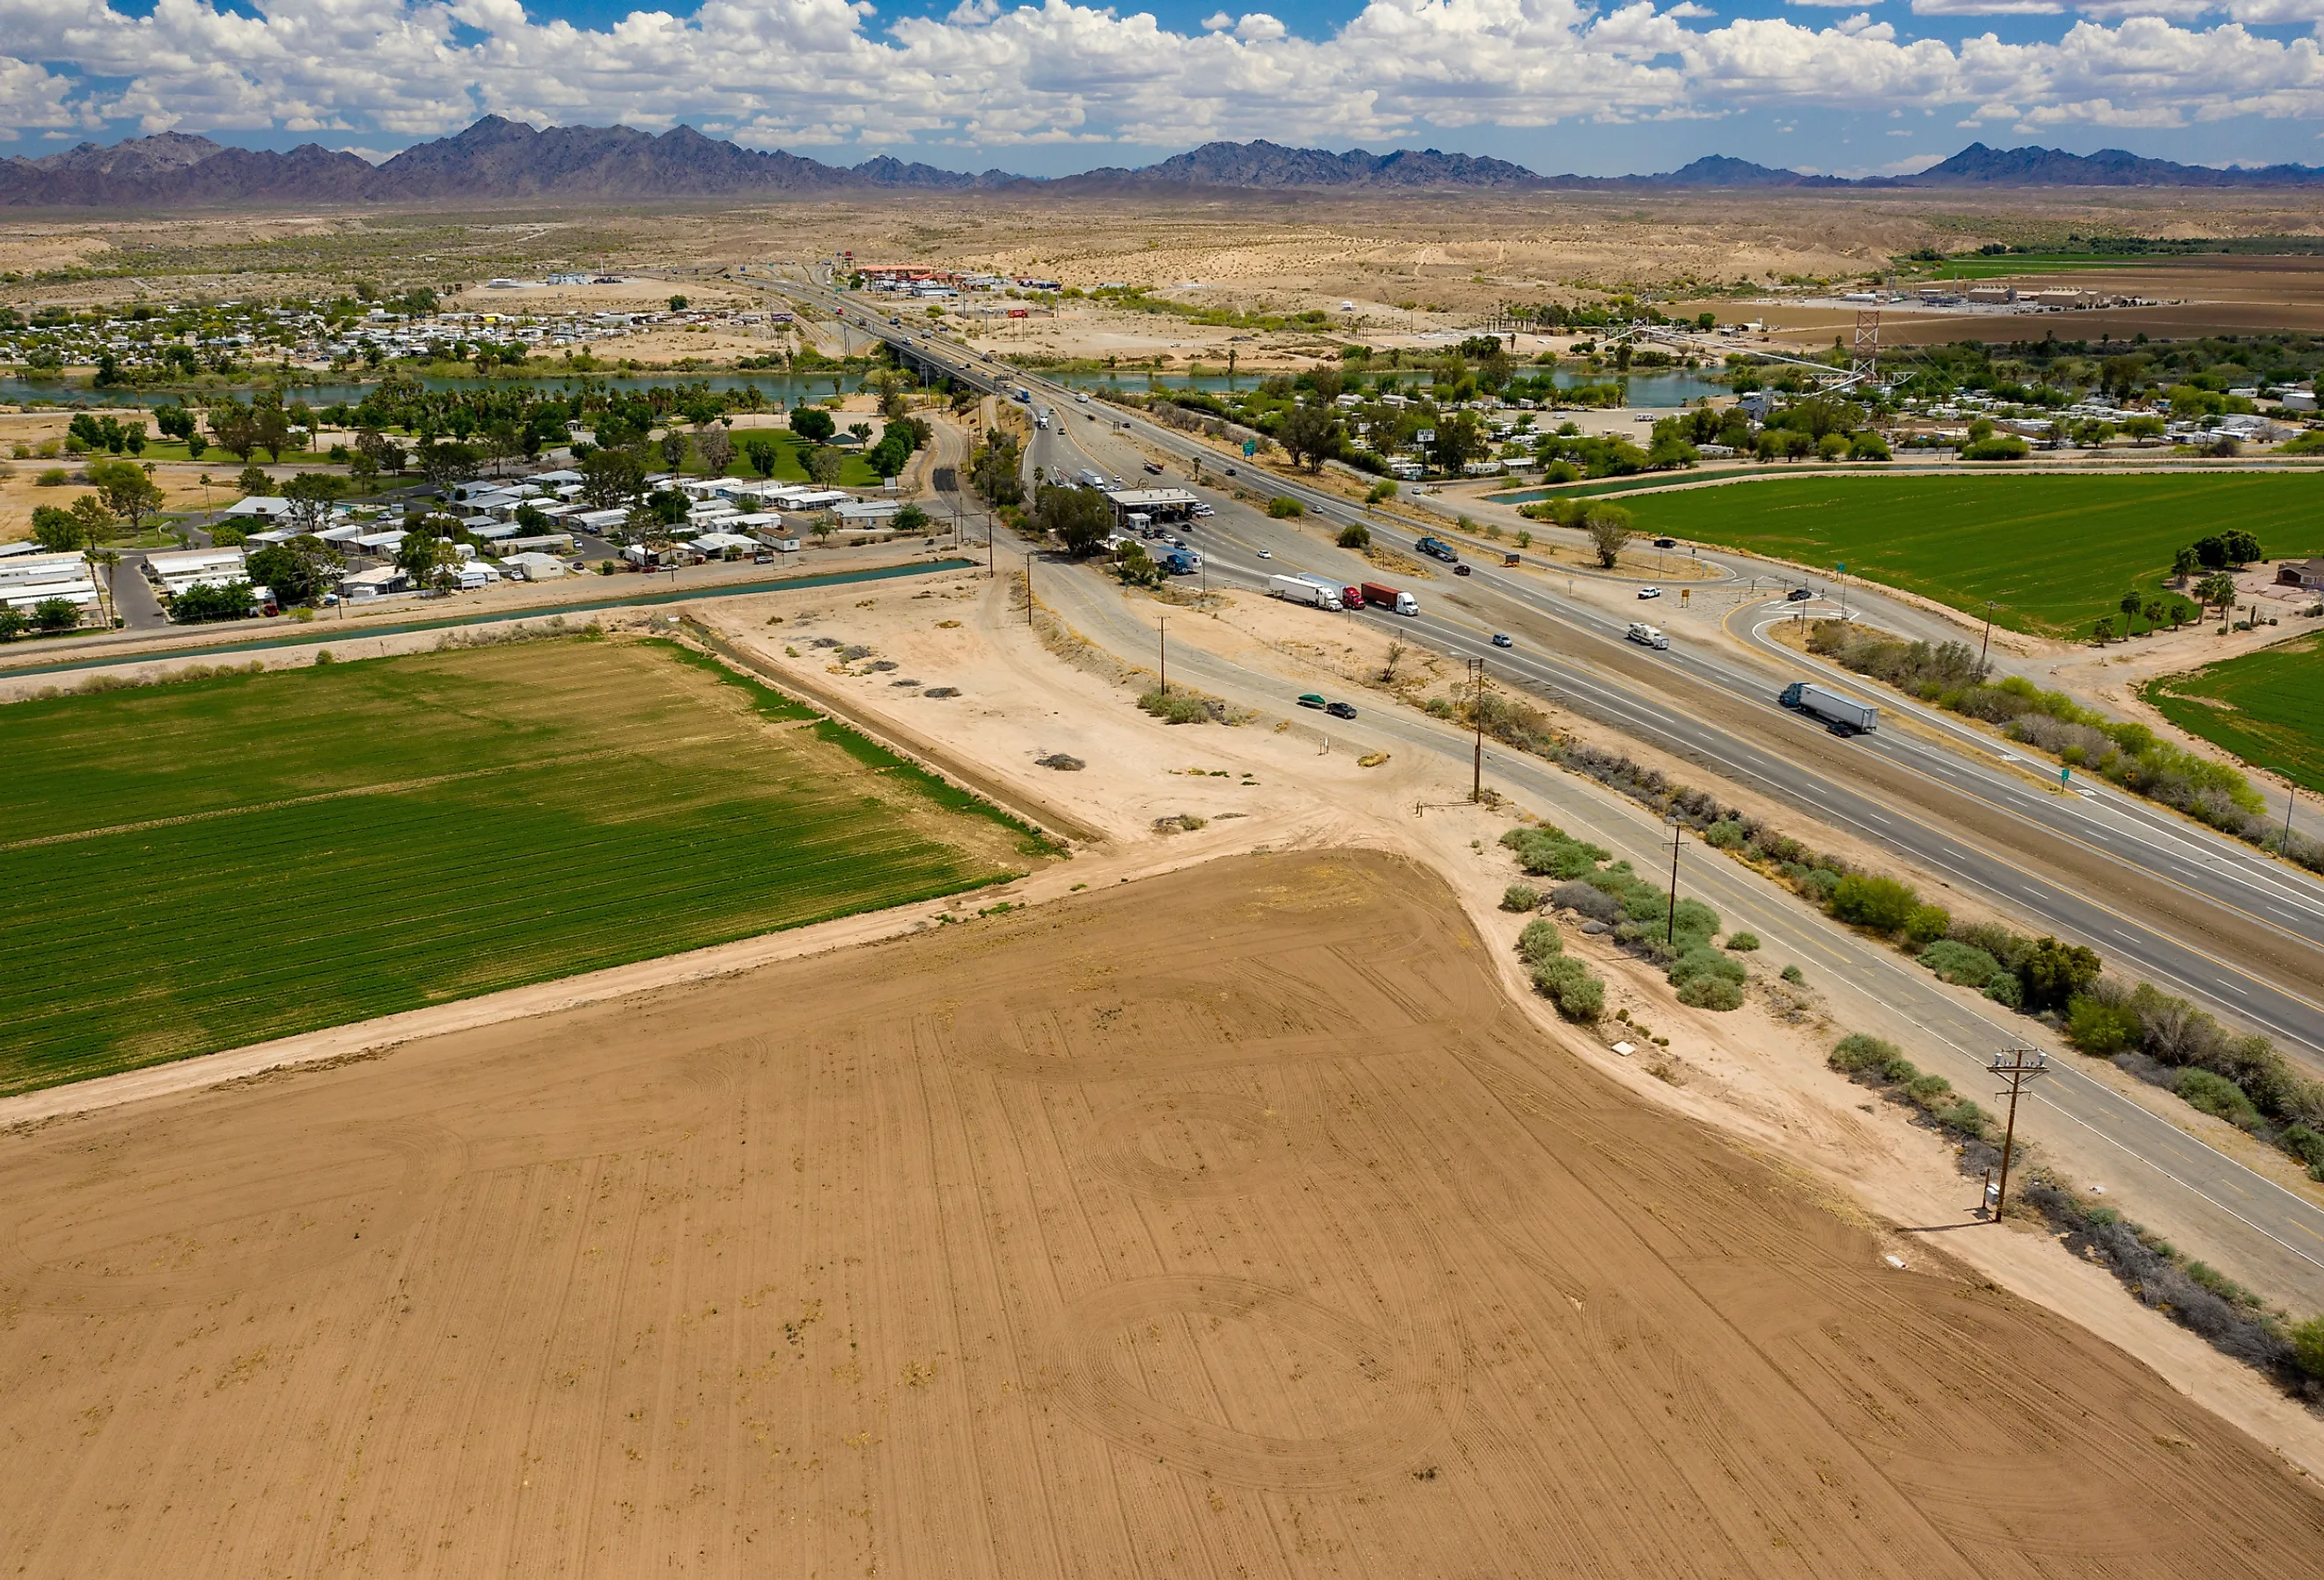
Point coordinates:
[[1341, 710], [1309, 700], [1650, 592], [1501, 639]]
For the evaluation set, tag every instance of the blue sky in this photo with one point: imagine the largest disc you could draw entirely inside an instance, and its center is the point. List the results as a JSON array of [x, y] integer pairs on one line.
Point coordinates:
[[1556, 85]]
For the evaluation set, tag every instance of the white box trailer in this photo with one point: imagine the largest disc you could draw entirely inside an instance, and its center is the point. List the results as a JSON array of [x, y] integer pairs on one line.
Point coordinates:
[[1299, 590], [1842, 712]]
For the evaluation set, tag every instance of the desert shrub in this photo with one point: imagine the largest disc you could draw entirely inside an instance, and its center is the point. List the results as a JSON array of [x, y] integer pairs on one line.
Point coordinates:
[[1963, 965], [2216, 1096], [1743, 943], [2053, 973], [1565, 979], [1586, 900], [1818, 884], [1174, 708], [1857, 1051], [1794, 974], [1927, 1088], [2006, 991], [1520, 897], [1283, 507], [1540, 941], [1710, 992], [1355, 535], [1546, 852], [1882, 904], [1927, 924], [2100, 1026], [2305, 1144], [2308, 1346], [1727, 834], [1702, 960]]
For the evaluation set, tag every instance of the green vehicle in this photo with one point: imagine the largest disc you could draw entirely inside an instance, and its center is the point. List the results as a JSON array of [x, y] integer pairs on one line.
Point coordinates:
[[1311, 700]]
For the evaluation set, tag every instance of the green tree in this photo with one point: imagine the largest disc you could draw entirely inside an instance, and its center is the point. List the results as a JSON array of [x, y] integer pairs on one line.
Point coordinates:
[[814, 424], [96, 523], [1311, 433], [677, 304], [1609, 528], [55, 529], [311, 495], [612, 479], [205, 601], [824, 464], [763, 455], [1079, 518], [445, 463], [236, 429], [1459, 439], [1355, 535], [295, 572], [56, 614], [12, 623], [910, 519]]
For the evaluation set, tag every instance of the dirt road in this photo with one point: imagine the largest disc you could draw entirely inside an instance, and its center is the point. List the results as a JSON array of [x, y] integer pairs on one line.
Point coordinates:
[[1143, 1232]]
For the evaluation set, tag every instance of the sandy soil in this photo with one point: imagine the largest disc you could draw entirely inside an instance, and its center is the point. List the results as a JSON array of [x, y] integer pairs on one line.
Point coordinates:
[[1060, 1242]]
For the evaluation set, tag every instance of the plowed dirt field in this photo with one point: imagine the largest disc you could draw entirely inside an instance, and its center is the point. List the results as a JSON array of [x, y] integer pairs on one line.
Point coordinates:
[[1230, 1224]]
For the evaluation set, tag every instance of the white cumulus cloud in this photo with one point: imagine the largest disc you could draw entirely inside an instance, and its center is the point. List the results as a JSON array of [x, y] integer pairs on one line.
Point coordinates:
[[837, 73]]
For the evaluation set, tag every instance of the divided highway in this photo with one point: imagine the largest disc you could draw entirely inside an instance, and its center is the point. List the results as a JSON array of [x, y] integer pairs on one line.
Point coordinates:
[[2194, 911]]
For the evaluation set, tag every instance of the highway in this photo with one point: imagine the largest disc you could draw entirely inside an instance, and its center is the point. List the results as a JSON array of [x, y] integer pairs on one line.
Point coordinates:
[[2274, 1235], [2160, 898], [2271, 1236]]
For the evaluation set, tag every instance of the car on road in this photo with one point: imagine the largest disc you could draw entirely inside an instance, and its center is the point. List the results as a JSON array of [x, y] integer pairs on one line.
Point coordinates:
[[1460, 570], [1650, 592], [1154, 468], [1799, 594], [1341, 710], [1230, 471], [1666, 543], [1089, 417], [1083, 397], [1204, 510], [1501, 639], [1309, 700], [1267, 554]]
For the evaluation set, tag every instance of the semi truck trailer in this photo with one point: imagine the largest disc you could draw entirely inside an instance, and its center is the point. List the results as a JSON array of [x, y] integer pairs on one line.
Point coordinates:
[[1843, 714], [1381, 596], [1299, 590]]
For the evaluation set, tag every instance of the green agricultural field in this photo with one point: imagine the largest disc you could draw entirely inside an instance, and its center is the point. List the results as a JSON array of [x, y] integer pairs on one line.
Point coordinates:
[[210, 863], [2267, 707], [2056, 552]]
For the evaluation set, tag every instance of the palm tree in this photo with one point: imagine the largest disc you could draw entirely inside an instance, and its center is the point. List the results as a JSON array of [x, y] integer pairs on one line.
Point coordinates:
[[104, 561]]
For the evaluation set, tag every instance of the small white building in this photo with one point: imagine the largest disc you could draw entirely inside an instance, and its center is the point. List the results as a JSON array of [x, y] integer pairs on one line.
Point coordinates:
[[268, 508], [530, 567]]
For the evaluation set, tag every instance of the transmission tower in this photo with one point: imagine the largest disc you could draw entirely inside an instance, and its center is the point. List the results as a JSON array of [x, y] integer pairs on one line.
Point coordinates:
[[1864, 366]]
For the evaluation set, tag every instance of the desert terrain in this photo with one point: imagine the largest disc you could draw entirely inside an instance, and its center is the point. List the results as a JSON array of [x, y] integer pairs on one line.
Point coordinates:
[[1180, 1228]]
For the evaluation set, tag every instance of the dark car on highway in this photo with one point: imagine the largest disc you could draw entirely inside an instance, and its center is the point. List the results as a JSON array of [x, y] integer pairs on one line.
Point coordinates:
[[1341, 710]]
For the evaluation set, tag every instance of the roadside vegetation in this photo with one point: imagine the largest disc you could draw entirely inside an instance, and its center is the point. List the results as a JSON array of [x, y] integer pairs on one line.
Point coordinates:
[[2124, 752]]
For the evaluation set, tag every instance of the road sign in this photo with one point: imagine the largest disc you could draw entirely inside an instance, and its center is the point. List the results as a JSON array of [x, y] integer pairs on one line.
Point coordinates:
[[2065, 775]]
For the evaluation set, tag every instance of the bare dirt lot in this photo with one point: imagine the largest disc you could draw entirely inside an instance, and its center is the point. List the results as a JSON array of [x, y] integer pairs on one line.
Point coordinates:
[[1182, 1228]]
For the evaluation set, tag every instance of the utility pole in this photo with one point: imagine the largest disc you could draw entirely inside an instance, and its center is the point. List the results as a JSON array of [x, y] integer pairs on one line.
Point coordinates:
[[1670, 928], [1162, 630], [2012, 1066], [1477, 713], [1029, 587], [2291, 799], [1987, 646]]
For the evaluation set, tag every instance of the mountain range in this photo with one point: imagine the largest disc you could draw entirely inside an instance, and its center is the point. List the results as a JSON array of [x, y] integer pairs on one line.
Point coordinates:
[[499, 161]]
